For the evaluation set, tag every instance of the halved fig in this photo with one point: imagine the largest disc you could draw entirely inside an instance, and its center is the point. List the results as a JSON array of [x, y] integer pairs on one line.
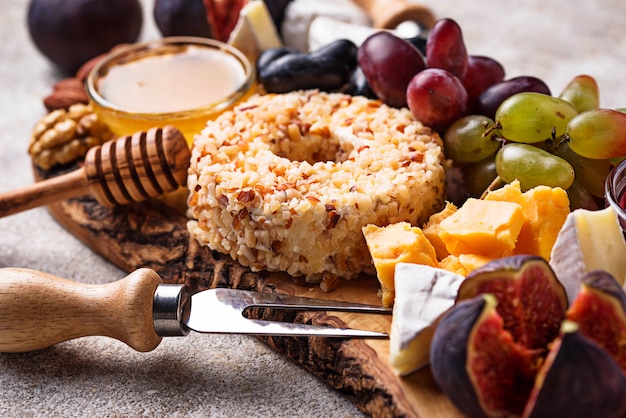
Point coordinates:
[[531, 300], [600, 311], [476, 362], [577, 379]]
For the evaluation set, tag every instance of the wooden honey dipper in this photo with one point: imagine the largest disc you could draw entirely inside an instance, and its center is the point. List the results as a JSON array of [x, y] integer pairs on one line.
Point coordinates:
[[129, 169]]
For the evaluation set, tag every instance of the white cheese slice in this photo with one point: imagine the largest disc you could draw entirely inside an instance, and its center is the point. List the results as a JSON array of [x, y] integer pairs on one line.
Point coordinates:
[[299, 14], [255, 30], [423, 294], [588, 240], [325, 30]]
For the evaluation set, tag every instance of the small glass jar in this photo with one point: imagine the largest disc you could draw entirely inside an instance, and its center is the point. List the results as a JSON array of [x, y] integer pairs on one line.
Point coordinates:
[[615, 192], [179, 81]]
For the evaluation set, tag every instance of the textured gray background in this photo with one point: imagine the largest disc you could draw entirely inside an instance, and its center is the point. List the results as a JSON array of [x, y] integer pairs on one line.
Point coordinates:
[[234, 376]]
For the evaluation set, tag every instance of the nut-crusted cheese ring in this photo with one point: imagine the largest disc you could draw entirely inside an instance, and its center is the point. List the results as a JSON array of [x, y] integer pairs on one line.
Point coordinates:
[[285, 182]]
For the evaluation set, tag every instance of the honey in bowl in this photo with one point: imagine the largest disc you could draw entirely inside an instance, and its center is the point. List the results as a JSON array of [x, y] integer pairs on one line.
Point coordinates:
[[180, 81]]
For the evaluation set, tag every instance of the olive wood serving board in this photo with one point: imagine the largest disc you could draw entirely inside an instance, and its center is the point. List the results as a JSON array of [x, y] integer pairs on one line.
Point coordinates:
[[151, 234]]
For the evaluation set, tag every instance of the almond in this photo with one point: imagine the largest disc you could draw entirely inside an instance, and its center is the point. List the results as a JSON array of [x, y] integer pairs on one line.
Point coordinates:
[[65, 93]]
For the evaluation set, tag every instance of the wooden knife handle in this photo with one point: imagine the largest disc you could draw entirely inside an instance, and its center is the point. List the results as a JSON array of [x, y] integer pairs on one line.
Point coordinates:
[[38, 310], [388, 14]]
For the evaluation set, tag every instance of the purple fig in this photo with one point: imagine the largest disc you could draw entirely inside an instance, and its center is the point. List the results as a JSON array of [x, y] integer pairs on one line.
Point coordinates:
[[70, 32], [600, 311], [577, 379], [181, 18], [531, 300], [476, 362]]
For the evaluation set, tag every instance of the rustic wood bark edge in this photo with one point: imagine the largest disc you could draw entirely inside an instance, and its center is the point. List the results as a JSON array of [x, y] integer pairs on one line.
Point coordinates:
[[155, 236]]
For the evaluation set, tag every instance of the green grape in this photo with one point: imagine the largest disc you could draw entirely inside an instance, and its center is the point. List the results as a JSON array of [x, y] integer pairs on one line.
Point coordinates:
[[598, 134], [479, 175], [590, 173], [582, 93], [533, 117], [533, 167], [471, 139]]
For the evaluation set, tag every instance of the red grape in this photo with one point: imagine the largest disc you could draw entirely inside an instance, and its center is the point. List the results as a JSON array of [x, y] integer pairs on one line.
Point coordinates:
[[437, 98], [598, 134], [482, 73], [389, 63], [445, 48], [490, 99], [582, 92]]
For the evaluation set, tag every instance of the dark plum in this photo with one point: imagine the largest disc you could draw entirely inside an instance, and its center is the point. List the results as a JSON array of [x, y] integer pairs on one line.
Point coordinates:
[[343, 50], [70, 32], [328, 68], [445, 48], [389, 63], [490, 99], [482, 73], [437, 98], [272, 54], [300, 72], [359, 86]]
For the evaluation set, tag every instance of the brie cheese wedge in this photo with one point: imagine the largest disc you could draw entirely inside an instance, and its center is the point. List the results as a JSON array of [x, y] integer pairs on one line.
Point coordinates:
[[255, 31], [423, 294], [588, 240]]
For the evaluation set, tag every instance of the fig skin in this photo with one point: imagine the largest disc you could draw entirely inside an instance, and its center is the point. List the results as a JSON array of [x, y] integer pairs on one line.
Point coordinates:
[[476, 363], [600, 312], [531, 300], [70, 32], [448, 355], [604, 282], [181, 18], [577, 379]]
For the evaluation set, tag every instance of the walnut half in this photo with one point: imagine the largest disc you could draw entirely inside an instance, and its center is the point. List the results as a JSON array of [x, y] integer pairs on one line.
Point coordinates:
[[63, 136]]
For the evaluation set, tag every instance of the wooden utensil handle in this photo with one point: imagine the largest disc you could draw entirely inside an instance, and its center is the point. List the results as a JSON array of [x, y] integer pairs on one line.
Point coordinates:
[[387, 14], [38, 310], [42, 193]]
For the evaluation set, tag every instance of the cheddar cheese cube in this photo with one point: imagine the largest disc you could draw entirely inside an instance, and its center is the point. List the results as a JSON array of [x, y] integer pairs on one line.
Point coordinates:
[[433, 227], [399, 242], [487, 228], [545, 209]]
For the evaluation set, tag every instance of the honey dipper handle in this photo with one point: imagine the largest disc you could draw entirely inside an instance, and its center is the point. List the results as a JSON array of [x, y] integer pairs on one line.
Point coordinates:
[[42, 193], [388, 14], [38, 310]]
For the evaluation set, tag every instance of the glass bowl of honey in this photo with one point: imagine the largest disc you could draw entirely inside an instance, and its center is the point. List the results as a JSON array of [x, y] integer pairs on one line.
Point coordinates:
[[180, 81]]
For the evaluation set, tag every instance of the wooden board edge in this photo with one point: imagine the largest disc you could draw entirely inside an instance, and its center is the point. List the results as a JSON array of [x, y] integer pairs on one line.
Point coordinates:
[[178, 259]]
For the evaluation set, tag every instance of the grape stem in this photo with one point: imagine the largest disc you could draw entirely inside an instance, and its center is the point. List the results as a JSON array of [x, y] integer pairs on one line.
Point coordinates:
[[490, 129], [495, 184]]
